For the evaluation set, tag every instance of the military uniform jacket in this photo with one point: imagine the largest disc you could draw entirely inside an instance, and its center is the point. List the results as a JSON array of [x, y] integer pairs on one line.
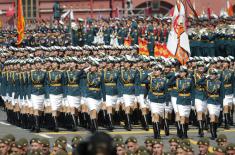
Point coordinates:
[[169, 88], [95, 86], [227, 78], [72, 80], [128, 81], [184, 87], [172, 84], [4, 83], [23, 76], [214, 90], [56, 82], [111, 82], [142, 82], [199, 91], [157, 89], [37, 83]]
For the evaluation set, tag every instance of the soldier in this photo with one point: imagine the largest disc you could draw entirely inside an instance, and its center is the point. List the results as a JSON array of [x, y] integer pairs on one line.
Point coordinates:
[[214, 96], [228, 81], [230, 149], [132, 144], [141, 89], [203, 145], [222, 140], [120, 148], [72, 79], [35, 144], [45, 146], [219, 150], [200, 97], [156, 96], [158, 146], [94, 93], [55, 90], [38, 84], [5, 146], [111, 84], [174, 142], [128, 81], [75, 143], [17, 148], [184, 86], [149, 144], [80, 31]]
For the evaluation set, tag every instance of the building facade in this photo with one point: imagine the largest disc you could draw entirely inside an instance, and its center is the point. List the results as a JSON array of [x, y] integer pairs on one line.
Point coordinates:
[[103, 8]]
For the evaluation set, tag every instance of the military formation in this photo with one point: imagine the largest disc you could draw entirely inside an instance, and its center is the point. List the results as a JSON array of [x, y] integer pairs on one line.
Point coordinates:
[[92, 86], [102, 143]]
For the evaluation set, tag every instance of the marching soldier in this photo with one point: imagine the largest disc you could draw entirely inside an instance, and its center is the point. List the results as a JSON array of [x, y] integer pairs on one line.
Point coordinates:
[[38, 84], [184, 87], [214, 90], [94, 92], [168, 107], [55, 90], [142, 91], [128, 81], [111, 84], [200, 97], [227, 79], [72, 79], [156, 95]]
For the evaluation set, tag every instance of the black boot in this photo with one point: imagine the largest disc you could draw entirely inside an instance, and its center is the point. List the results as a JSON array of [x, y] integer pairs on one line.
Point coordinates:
[[213, 131], [56, 128], [128, 123], [220, 118], [37, 127], [166, 127], [226, 119], [74, 123], [110, 120], [156, 130], [184, 131], [200, 129], [145, 122], [104, 120], [206, 122], [134, 117], [117, 118], [231, 118], [94, 125], [178, 126], [32, 123]]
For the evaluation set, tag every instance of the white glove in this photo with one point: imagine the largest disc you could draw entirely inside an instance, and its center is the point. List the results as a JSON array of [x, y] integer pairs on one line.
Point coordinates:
[[176, 74], [207, 76], [87, 69]]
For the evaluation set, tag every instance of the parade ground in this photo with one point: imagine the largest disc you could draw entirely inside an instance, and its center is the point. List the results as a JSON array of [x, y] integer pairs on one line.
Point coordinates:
[[138, 132]]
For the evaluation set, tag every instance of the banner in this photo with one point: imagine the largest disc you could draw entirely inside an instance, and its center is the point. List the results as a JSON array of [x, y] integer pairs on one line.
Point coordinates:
[[143, 49], [229, 8], [178, 42], [127, 41], [20, 23], [161, 50]]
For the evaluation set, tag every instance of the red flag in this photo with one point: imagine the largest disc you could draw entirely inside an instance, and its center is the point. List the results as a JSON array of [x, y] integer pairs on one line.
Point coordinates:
[[127, 41], [11, 11], [209, 13], [161, 50], [143, 49], [229, 8], [20, 22]]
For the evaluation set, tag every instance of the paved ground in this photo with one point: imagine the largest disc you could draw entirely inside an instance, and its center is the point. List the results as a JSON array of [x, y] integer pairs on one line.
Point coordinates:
[[6, 128]]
